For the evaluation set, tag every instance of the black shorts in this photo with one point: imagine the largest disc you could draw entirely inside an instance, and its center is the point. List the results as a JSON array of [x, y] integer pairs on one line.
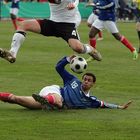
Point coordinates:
[[58, 29]]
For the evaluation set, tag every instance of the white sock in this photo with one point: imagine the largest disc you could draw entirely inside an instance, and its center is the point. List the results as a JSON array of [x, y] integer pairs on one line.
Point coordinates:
[[17, 40], [87, 48]]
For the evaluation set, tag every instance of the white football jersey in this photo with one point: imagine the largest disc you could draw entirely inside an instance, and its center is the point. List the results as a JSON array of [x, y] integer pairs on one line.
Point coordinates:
[[60, 13]]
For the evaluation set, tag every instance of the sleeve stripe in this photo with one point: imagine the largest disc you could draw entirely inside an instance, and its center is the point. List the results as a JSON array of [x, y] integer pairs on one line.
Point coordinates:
[[102, 103]]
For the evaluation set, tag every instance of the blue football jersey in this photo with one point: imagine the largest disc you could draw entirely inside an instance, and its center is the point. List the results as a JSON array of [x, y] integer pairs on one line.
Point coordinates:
[[107, 10], [72, 92], [15, 4]]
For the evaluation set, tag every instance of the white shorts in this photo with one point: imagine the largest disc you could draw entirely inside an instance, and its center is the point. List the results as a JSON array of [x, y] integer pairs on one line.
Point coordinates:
[[109, 25], [92, 17], [50, 89], [14, 11]]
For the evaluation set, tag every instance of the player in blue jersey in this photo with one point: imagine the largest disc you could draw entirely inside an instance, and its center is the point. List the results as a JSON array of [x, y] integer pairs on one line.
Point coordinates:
[[93, 16], [14, 9], [106, 19], [73, 95], [14, 12]]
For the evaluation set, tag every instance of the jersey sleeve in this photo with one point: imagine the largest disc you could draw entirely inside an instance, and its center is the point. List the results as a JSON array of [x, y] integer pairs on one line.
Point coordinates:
[[60, 68], [95, 102], [101, 104]]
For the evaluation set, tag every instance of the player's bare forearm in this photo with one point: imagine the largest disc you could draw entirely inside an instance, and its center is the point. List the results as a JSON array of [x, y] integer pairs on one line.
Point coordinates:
[[114, 106]]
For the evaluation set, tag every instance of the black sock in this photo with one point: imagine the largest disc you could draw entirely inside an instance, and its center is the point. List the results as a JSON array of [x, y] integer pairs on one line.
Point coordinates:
[[21, 32]]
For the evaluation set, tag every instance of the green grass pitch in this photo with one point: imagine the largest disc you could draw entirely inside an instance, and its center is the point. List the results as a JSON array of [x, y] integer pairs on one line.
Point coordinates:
[[118, 80]]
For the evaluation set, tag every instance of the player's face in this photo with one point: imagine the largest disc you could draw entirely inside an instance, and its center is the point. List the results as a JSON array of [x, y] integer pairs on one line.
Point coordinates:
[[87, 82]]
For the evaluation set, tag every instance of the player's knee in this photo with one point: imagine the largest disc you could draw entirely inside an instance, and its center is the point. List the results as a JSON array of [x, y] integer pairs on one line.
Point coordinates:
[[13, 16], [60, 104], [90, 34], [88, 24], [93, 32], [117, 36]]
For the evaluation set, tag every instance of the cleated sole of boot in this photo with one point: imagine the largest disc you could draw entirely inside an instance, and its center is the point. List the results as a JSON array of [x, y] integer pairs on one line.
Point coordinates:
[[7, 56]]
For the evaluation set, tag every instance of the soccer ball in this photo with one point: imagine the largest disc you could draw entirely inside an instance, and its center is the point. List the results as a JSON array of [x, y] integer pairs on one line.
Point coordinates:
[[78, 64]]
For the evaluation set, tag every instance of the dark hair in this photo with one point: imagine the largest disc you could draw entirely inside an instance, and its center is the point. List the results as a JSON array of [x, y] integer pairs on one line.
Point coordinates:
[[90, 74]]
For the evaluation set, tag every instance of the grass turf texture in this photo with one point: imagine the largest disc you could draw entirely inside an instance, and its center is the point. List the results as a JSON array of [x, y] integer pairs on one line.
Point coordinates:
[[118, 78]]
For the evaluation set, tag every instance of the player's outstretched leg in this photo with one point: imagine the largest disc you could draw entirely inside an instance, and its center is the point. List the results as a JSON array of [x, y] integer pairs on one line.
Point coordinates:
[[7, 55]]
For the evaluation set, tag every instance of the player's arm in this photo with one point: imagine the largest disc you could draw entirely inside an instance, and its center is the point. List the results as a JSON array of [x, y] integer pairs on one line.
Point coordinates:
[[114, 106], [125, 105], [60, 68]]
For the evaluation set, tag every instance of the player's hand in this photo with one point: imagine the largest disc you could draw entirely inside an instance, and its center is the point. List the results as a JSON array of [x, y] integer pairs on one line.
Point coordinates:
[[125, 105], [70, 6], [72, 56]]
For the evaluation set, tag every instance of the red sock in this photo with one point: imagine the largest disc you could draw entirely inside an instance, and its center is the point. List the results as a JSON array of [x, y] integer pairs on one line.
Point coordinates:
[[93, 42], [14, 23], [127, 44], [4, 96], [50, 99], [100, 34], [20, 19]]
